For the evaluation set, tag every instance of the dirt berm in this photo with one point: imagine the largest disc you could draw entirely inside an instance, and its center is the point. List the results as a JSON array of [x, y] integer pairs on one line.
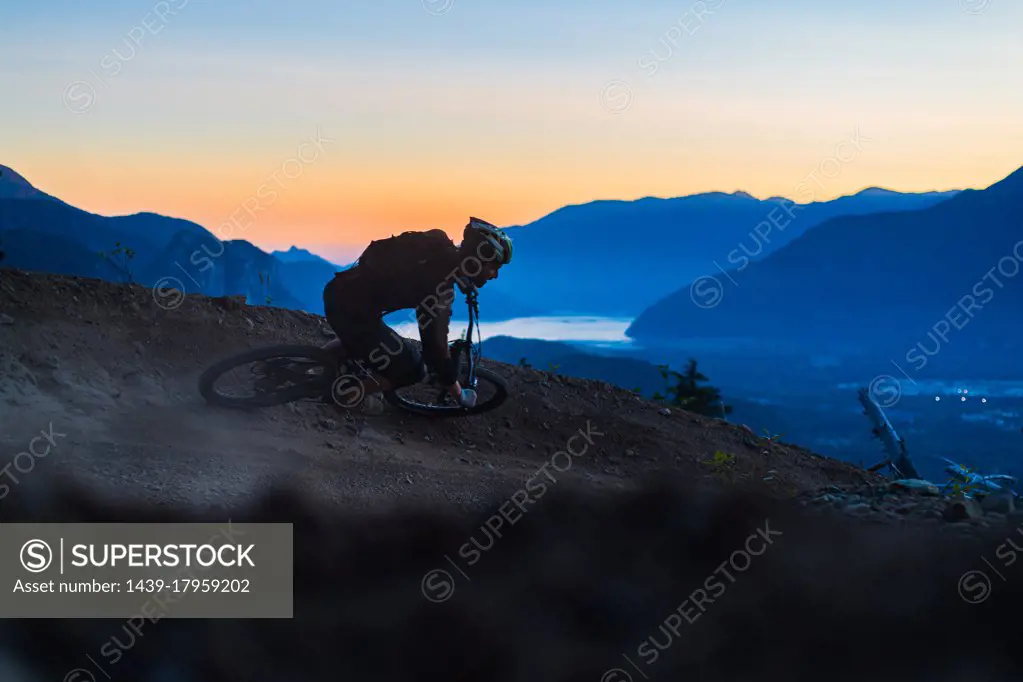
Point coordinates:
[[114, 368]]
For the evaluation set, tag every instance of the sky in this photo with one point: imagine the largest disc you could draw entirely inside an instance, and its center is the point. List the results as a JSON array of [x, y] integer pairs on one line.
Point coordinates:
[[327, 123]]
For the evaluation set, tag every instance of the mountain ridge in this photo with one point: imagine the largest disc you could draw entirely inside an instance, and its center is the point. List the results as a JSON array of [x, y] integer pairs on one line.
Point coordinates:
[[797, 291], [586, 249], [55, 237], [13, 185], [616, 257]]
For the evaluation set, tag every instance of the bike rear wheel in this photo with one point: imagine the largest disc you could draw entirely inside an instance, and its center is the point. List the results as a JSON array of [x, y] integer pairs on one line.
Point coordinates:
[[276, 375], [433, 401]]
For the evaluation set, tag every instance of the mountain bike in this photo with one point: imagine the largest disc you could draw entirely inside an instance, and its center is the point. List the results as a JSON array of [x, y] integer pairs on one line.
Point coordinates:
[[276, 375]]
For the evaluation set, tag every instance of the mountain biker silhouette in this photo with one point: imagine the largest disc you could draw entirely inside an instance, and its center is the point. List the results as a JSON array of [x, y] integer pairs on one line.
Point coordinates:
[[414, 270]]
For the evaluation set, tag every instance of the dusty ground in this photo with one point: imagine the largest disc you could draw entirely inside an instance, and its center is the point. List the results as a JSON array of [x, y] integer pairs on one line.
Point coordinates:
[[115, 372], [858, 582]]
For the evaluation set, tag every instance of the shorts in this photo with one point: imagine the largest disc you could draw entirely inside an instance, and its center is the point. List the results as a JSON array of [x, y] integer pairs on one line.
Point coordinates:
[[370, 341]]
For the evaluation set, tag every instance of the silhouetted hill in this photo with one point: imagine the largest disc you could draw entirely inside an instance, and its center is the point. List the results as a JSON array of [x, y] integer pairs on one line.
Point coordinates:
[[14, 186], [859, 279], [52, 221], [617, 257], [307, 278], [306, 274], [43, 234], [57, 238], [23, 207], [60, 256], [52, 236], [297, 255]]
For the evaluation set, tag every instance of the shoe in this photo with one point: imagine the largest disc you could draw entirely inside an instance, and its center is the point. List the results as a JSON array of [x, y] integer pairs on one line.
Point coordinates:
[[372, 405]]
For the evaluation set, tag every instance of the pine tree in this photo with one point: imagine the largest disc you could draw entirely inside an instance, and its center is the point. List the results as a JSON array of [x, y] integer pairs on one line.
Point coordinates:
[[688, 393]]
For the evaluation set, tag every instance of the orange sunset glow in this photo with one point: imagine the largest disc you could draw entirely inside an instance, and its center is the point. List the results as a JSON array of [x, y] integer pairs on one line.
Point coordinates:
[[427, 132]]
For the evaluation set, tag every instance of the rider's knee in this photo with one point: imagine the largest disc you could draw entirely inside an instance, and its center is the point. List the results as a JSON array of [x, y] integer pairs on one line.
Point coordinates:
[[407, 369], [413, 374]]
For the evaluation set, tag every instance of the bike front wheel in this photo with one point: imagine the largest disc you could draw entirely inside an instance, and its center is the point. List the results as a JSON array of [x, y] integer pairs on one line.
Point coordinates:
[[433, 401]]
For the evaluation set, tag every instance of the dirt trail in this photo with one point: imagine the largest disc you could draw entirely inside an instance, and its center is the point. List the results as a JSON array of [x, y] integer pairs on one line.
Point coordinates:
[[113, 369], [98, 383]]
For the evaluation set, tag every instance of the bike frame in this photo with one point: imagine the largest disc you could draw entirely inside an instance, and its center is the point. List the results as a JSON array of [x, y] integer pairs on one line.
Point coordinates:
[[460, 346]]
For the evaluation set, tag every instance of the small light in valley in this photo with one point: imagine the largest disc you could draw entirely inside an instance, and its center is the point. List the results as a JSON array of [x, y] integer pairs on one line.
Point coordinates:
[[937, 398]]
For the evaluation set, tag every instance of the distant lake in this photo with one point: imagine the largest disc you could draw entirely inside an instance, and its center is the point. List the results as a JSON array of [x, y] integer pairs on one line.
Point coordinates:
[[593, 331], [609, 333], [601, 331]]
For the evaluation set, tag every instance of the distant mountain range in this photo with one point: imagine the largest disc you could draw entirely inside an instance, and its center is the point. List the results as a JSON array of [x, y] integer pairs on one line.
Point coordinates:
[[601, 258], [297, 255], [39, 232], [942, 276], [616, 258]]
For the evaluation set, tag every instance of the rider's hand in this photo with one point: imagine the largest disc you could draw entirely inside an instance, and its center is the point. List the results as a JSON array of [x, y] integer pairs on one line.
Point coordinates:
[[467, 398]]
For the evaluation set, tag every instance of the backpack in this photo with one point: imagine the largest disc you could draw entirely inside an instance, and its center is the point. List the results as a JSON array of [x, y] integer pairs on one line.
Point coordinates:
[[395, 257]]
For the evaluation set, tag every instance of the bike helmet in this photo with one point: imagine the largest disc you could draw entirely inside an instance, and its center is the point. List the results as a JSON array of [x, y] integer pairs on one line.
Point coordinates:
[[479, 232]]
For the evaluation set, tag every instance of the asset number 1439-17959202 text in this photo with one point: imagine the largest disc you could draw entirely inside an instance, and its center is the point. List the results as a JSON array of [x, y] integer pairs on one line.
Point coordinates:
[[203, 585]]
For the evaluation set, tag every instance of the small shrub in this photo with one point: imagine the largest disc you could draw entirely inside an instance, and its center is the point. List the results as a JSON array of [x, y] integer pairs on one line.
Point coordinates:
[[264, 287], [120, 259], [722, 464], [769, 441]]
